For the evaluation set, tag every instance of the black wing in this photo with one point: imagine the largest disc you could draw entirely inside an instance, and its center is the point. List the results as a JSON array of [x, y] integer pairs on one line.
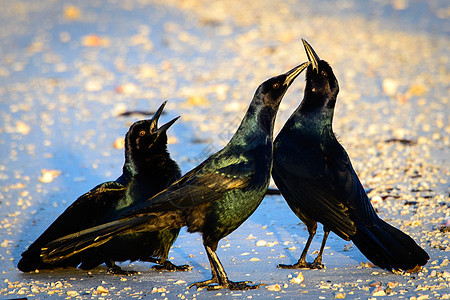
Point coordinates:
[[87, 211], [322, 185], [206, 183], [201, 185]]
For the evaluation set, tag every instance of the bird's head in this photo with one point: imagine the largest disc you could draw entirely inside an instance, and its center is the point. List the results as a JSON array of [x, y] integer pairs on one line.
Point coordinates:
[[145, 137], [322, 86], [261, 113], [274, 88]]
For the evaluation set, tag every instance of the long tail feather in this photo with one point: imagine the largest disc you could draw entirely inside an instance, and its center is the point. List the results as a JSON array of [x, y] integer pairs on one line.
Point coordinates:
[[70, 245], [388, 247]]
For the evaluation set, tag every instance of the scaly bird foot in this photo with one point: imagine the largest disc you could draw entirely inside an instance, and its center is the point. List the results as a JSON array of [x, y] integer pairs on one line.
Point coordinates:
[[169, 266], [203, 284], [213, 285], [240, 285], [299, 265], [316, 265], [116, 270], [303, 265]]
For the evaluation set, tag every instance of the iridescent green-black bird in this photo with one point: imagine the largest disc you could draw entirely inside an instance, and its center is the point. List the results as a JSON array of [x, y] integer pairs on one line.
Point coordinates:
[[148, 169], [315, 176], [214, 198]]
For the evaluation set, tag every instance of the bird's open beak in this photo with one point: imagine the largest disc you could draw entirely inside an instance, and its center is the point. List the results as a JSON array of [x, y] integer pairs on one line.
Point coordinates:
[[312, 55], [292, 74], [154, 123], [166, 126]]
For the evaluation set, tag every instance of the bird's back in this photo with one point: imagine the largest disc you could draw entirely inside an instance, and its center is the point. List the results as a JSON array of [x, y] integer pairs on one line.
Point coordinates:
[[87, 211]]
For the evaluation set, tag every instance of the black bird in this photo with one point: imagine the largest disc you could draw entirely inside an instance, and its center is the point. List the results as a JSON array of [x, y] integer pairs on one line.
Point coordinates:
[[148, 169], [214, 198], [315, 176]]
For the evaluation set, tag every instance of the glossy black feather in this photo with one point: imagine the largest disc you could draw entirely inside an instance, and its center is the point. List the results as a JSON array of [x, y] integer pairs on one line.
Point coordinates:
[[214, 198], [147, 170], [315, 176], [73, 219]]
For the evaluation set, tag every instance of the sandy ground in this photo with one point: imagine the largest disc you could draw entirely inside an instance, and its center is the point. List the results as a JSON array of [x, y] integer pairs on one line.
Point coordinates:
[[69, 69]]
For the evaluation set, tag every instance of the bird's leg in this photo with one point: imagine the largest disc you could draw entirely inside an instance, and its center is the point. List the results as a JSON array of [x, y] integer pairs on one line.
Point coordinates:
[[317, 263], [219, 278], [113, 268], [214, 278], [116, 270], [167, 265], [301, 263]]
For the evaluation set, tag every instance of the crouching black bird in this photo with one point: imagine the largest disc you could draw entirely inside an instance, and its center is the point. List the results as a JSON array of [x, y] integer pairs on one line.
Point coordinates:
[[315, 176], [148, 169], [214, 198]]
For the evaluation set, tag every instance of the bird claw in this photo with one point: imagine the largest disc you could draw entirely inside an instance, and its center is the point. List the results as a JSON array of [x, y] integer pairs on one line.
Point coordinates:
[[302, 265], [118, 271], [213, 285], [298, 265], [202, 284], [316, 265], [169, 266], [183, 268], [243, 285]]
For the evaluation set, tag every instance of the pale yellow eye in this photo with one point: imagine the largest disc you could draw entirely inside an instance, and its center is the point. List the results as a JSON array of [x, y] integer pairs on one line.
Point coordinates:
[[276, 85], [142, 133]]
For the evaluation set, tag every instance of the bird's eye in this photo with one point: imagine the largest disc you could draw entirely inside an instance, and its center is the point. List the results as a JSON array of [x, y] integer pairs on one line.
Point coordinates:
[[323, 73], [276, 85], [142, 133]]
